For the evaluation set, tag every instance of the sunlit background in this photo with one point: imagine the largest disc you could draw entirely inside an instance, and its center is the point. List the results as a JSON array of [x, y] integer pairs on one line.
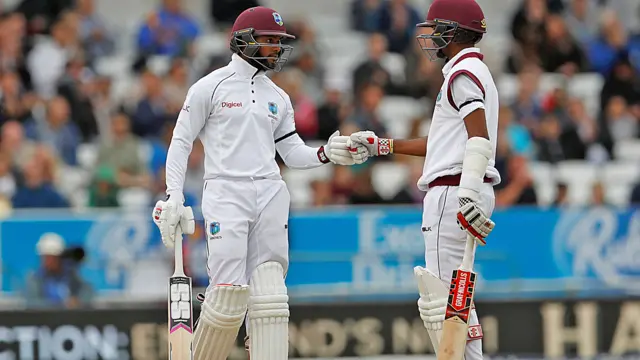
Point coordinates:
[[89, 93]]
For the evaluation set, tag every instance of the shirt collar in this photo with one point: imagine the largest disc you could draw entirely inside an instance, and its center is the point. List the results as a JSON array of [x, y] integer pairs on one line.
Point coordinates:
[[243, 68], [465, 53]]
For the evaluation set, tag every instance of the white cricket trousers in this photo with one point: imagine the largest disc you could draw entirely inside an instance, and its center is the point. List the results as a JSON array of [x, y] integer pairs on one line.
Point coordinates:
[[445, 242], [246, 222]]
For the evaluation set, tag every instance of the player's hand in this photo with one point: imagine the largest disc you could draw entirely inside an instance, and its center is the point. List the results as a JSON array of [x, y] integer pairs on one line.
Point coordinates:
[[473, 220], [337, 151], [432, 312], [375, 146], [167, 216]]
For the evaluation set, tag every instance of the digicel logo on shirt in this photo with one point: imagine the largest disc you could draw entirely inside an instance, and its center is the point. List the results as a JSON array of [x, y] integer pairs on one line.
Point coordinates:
[[231, 105]]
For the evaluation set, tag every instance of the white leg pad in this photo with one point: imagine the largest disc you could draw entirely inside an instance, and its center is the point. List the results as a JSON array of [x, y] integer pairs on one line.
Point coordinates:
[[222, 314], [432, 303], [268, 313]]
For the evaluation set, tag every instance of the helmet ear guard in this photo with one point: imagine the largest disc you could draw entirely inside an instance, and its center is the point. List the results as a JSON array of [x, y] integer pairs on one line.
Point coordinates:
[[243, 42]]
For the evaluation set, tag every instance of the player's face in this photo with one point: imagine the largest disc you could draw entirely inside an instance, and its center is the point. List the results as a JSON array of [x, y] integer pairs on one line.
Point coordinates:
[[271, 47]]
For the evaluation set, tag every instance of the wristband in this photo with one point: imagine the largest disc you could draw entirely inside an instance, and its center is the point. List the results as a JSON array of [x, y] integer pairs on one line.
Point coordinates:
[[385, 146]]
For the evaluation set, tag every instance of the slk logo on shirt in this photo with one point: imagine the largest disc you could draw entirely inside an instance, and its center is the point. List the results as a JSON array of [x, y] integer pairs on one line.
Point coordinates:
[[231, 105]]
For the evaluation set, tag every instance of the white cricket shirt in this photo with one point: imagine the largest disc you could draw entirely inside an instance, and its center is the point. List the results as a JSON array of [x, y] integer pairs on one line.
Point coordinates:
[[241, 117], [468, 86]]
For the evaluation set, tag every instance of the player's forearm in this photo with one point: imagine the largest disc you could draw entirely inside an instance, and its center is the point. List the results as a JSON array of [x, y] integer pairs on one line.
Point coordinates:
[[412, 147], [297, 155], [176, 168]]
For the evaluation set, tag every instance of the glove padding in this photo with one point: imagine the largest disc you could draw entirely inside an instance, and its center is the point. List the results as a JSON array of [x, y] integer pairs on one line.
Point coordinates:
[[337, 151], [172, 218], [366, 143], [473, 220], [432, 312]]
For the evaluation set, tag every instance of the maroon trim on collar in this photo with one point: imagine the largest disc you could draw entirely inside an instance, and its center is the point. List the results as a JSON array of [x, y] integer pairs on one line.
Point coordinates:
[[474, 54]]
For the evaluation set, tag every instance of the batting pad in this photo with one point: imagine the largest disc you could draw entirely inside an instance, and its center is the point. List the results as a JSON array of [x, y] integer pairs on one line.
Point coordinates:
[[432, 303], [222, 314], [268, 313]]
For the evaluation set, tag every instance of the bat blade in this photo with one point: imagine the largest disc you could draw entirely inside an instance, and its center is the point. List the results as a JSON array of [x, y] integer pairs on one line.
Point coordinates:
[[180, 336], [456, 319]]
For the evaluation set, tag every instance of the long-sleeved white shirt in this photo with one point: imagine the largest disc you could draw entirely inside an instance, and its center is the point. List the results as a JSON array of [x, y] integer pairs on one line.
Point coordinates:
[[242, 118]]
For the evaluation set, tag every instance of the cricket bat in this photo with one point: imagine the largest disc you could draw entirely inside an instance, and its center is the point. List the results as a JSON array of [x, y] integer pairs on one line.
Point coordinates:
[[180, 308], [456, 319]]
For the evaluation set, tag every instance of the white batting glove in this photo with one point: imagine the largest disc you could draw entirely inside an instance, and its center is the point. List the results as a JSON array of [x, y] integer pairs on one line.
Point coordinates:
[[169, 214], [374, 145], [336, 150], [432, 312], [473, 220]]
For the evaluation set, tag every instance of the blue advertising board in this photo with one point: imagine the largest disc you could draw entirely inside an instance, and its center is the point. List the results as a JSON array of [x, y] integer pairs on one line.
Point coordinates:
[[359, 253]]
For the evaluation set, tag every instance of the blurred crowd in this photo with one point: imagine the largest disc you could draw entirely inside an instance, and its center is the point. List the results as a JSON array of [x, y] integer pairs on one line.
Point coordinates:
[[54, 99]]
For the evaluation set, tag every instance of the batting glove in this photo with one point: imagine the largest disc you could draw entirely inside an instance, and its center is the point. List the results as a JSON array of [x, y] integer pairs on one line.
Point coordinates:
[[473, 220], [170, 214], [374, 145], [336, 150]]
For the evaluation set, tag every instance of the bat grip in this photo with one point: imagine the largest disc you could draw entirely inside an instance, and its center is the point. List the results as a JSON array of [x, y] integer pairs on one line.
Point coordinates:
[[469, 254], [179, 266]]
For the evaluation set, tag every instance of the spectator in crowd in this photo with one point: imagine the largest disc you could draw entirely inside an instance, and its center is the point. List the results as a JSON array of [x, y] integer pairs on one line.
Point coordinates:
[[372, 69], [77, 86], [397, 20], [423, 76], [516, 187], [37, 191], [581, 20], [168, 31], [104, 188], [41, 14], [97, 40], [612, 43], [56, 284], [527, 108], [364, 15], [15, 102], [516, 135], [306, 113], [153, 110], [56, 130], [122, 154], [561, 52], [46, 62], [332, 112], [14, 143], [621, 123], [342, 184], [176, 84], [159, 148], [13, 44], [410, 194], [364, 193], [365, 114], [321, 193]]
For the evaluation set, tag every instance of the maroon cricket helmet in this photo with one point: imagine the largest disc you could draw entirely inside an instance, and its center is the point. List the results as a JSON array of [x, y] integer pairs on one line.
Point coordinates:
[[260, 21], [458, 21]]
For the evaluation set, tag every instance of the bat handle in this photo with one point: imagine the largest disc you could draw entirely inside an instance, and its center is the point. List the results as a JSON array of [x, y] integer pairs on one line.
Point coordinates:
[[179, 266], [469, 254]]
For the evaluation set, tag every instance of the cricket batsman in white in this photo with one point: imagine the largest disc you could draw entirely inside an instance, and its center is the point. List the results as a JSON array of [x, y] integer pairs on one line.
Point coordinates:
[[242, 119], [459, 172]]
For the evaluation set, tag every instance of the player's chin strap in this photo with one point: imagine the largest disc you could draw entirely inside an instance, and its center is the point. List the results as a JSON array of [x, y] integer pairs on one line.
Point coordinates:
[[477, 153]]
